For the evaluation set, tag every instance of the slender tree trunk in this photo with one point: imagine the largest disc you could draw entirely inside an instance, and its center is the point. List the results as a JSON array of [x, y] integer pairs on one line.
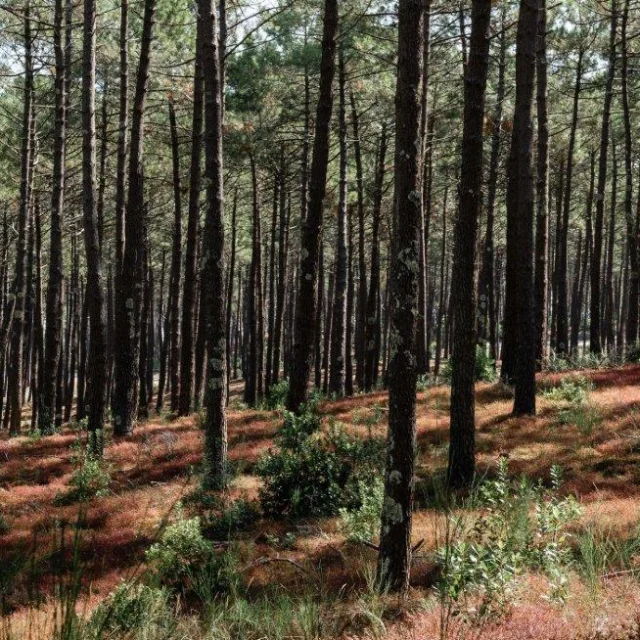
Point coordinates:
[[305, 322], [373, 326], [283, 254], [128, 304], [520, 283], [631, 333], [542, 188], [394, 558], [337, 360], [461, 468], [487, 327], [97, 360], [215, 451], [361, 306], [53, 331], [176, 263], [191, 252], [595, 332], [15, 367]]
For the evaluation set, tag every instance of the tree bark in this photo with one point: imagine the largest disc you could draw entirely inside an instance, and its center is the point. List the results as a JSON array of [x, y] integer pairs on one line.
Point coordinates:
[[305, 321], [595, 329], [394, 558], [461, 468], [128, 302]]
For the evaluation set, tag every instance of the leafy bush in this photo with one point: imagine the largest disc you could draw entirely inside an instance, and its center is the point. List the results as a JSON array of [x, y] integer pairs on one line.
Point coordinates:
[[228, 519], [184, 560], [131, 607], [580, 361], [520, 526], [296, 429], [277, 395], [315, 473], [180, 547], [587, 417], [485, 367], [89, 480], [581, 412], [361, 524], [574, 389]]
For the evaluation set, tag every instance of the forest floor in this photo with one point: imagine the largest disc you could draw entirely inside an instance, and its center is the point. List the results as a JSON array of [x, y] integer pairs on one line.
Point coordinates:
[[153, 469]]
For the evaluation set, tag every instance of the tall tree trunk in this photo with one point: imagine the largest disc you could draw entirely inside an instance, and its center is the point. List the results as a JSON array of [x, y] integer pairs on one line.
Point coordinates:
[[283, 253], [595, 330], [394, 558], [97, 360], [15, 367], [176, 263], [488, 329], [215, 451], [232, 267], [373, 326], [361, 306], [271, 302], [53, 331], [632, 227], [337, 360], [519, 295], [461, 468], [128, 304], [542, 189], [305, 321], [191, 251]]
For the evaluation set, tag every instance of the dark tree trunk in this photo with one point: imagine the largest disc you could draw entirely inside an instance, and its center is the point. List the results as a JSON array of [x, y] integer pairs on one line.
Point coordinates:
[[562, 335], [463, 301], [361, 306], [519, 300], [283, 253], [254, 301], [232, 267], [215, 451], [15, 364], [595, 332], [176, 264], [542, 189], [373, 326], [442, 287], [632, 227], [394, 558], [191, 252], [271, 301], [53, 331], [128, 302], [305, 321], [337, 360], [487, 328], [97, 360]]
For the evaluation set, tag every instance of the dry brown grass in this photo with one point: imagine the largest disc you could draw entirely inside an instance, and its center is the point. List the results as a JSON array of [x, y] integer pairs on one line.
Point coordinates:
[[151, 472]]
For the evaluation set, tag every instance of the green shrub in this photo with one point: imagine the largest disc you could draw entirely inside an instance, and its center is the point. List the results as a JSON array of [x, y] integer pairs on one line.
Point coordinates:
[[89, 480], [521, 525], [132, 607], [315, 473], [229, 519], [485, 367], [587, 417], [180, 547], [277, 395], [296, 429], [362, 523], [574, 390]]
